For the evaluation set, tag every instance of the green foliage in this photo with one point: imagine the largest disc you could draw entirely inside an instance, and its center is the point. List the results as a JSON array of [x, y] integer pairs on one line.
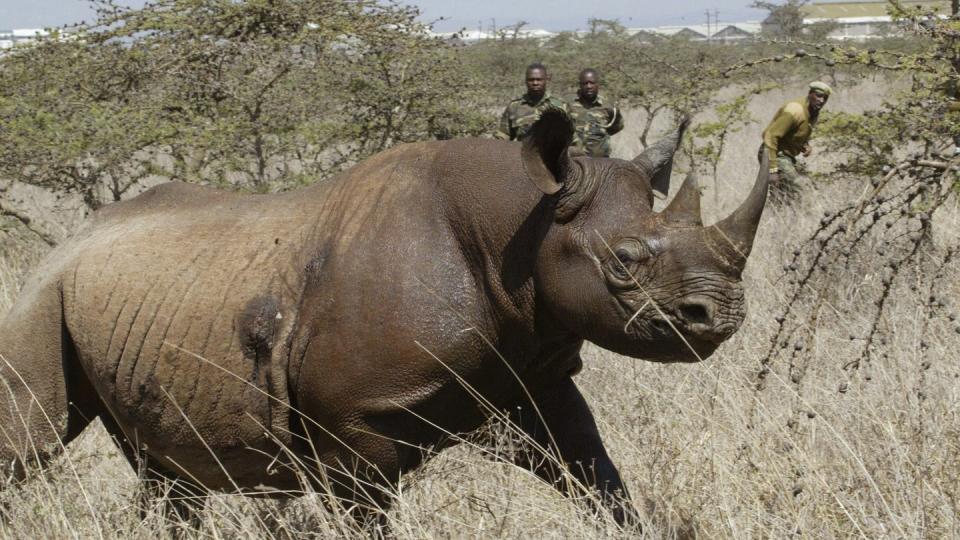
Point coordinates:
[[75, 134], [784, 20], [731, 117], [262, 94], [921, 121], [867, 142]]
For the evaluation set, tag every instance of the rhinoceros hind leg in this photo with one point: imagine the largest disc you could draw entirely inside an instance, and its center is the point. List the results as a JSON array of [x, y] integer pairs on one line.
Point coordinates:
[[45, 398]]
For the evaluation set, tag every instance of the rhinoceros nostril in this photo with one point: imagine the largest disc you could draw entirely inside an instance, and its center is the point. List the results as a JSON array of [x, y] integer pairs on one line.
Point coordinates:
[[695, 313], [662, 326]]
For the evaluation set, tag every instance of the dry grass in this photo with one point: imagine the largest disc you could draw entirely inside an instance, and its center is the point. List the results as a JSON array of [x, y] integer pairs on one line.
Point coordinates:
[[817, 453]]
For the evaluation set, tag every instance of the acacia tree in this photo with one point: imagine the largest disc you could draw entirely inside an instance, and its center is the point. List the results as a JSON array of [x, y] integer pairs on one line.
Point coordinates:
[[260, 94], [784, 20], [712, 137], [71, 133]]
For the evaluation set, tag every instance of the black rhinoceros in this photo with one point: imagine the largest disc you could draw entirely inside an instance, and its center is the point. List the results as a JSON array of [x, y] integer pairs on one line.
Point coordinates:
[[350, 325]]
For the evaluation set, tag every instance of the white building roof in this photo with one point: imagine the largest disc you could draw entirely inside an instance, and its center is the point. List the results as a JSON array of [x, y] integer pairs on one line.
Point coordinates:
[[28, 32], [474, 35], [750, 27], [850, 20]]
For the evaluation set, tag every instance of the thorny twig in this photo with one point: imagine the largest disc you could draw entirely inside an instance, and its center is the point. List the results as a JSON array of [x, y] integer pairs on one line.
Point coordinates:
[[898, 216]]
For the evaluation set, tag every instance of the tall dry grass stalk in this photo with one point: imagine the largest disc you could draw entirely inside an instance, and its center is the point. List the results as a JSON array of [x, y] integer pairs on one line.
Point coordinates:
[[812, 453]]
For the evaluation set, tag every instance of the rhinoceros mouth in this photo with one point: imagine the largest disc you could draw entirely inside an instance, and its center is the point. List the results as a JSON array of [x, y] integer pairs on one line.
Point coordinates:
[[667, 337], [648, 322]]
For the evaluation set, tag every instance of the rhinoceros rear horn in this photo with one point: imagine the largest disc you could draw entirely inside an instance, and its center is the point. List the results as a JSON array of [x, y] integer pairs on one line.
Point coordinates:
[[656, 161], [544, 152], [685, 206], [738, 229]]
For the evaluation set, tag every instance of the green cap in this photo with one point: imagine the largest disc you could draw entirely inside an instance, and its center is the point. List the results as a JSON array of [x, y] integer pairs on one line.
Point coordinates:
[[822, 87]]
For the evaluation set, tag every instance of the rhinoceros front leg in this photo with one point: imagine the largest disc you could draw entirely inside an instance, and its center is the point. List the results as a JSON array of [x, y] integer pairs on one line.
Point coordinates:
[[566, 424]]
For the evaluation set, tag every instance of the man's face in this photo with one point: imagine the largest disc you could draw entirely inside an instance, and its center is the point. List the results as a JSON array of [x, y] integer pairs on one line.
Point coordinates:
[[817, 100], [589, 86], [536, 82]]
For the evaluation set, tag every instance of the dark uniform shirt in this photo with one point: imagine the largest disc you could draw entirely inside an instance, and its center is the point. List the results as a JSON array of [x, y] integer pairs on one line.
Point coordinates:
[[522, 112], [595, 122]]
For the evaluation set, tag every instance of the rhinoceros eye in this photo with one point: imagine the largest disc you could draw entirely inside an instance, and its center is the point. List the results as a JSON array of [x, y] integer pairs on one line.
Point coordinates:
[[630, 252], [627, 254]]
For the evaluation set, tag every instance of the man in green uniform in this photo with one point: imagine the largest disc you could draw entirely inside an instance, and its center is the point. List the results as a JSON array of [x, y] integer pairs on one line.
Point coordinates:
[[523, 111], [788, 135], [595, 117]]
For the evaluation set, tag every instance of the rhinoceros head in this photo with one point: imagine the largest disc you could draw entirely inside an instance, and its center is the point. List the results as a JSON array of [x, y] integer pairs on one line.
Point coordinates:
[[659, 286]]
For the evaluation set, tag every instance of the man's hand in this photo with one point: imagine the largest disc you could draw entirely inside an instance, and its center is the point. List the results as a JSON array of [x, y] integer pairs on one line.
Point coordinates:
[[807, 150], [774, 177]]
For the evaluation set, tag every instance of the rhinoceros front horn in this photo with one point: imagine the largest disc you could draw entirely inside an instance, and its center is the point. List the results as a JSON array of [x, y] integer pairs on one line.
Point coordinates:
[[739, 228], [656, 161]]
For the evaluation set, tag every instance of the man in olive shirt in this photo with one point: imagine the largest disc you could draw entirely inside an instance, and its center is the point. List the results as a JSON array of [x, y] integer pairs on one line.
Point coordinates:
[[595, 117], [523, 111], [788, 135]]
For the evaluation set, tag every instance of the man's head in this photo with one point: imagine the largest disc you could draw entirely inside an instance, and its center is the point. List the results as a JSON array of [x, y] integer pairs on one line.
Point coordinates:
[[818, 95], [589, 84], [536, 79]]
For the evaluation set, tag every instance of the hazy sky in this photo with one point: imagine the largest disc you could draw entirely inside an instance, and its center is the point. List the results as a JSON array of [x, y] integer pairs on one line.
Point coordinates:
[[550, 15]]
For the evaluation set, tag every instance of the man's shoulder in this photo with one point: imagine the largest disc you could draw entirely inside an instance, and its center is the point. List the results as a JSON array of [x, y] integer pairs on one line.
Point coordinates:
[[556, 101], [796, 109], [607, 101], [513, 104]]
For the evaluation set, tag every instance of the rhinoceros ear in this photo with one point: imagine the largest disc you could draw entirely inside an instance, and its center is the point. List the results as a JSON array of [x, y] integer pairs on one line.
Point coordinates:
[[544, 152]]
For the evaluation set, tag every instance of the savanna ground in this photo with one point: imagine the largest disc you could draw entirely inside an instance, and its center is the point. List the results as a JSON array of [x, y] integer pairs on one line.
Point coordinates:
[[815, 451]]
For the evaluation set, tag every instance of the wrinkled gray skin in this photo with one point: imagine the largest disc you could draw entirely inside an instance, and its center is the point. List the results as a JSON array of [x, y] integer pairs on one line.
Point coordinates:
[[354, 322]]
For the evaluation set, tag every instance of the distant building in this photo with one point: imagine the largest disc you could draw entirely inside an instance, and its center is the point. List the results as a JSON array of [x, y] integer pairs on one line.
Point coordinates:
[[9, 38], [734, 32], [720, 32], [863, 19]]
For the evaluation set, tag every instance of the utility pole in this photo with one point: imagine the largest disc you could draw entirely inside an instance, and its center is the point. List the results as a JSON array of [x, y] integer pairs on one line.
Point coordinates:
[[708, 24]]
